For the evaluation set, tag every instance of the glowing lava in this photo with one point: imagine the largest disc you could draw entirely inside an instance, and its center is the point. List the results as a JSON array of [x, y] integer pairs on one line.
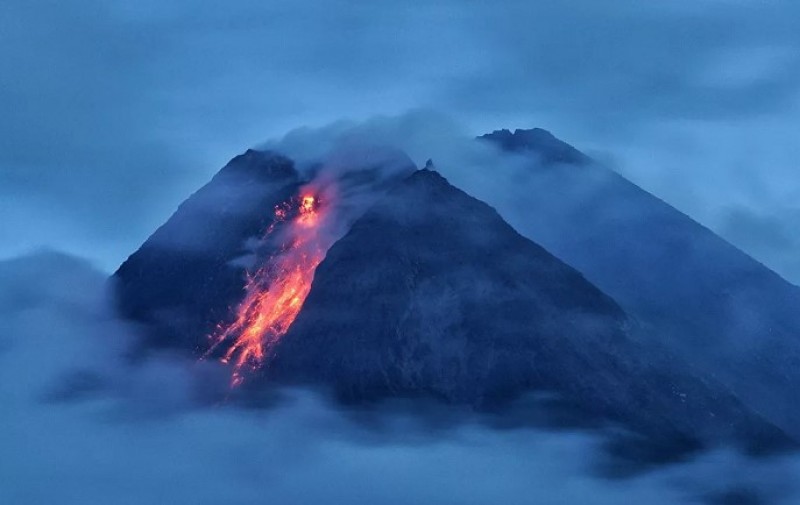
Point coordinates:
[[275, 293]]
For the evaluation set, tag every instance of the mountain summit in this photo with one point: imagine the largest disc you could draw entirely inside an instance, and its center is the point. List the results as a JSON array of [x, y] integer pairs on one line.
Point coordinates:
[[537, 142]]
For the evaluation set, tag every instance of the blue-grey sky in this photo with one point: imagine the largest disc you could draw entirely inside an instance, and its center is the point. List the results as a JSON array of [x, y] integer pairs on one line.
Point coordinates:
[[114, 111]]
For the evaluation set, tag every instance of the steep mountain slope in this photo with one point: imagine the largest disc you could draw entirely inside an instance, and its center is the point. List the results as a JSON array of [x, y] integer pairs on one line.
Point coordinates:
[[181, 282], [431, 293], [720, 308]]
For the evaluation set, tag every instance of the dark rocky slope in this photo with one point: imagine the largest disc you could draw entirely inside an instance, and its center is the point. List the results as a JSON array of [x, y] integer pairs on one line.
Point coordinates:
[[696, 293], [181, 282]]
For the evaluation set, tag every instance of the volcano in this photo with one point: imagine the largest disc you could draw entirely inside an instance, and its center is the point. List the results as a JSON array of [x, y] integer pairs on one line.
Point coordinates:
[[419, 291]]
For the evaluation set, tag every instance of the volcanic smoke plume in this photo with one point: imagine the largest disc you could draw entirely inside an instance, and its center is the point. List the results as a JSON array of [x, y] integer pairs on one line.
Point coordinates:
[[275, 292]]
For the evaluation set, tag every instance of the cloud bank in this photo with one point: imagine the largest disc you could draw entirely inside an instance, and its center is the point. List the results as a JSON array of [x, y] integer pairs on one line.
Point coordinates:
[[83, 424]]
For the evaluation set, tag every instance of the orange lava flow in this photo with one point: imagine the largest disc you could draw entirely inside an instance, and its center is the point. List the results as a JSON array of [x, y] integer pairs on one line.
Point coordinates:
[[276, 291]]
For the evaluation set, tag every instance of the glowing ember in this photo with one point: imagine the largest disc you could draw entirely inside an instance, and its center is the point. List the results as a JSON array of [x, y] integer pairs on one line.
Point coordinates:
[[276, 291], [307, 204]]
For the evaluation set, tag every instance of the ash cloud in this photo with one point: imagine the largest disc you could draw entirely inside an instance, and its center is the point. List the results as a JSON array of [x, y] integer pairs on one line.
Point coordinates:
[[134, 434]]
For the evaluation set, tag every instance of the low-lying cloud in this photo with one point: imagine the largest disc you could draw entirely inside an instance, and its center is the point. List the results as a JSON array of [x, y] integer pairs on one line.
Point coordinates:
[[83, 424]]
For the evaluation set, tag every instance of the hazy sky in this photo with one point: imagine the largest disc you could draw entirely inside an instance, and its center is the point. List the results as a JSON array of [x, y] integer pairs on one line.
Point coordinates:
[[113, 112]]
